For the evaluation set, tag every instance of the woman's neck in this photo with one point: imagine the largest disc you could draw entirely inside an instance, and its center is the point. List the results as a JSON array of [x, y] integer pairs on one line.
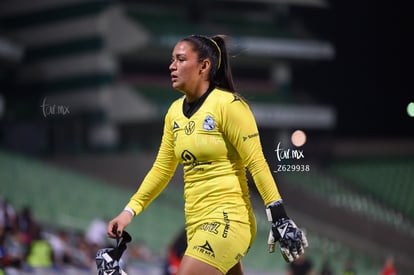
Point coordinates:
[[198, 92]]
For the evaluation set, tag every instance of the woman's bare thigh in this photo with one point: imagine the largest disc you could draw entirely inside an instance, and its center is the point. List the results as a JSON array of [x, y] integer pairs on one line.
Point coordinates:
[[191, 266]]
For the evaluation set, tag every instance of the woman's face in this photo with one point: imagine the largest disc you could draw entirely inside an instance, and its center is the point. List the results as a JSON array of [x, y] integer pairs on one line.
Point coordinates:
[[186, 70]]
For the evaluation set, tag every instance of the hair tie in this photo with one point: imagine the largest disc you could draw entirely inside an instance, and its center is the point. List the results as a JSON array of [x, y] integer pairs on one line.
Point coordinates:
[[219, 52]]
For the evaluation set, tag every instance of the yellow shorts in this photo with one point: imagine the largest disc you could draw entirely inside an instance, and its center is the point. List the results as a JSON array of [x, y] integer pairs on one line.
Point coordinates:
[[220, 242]]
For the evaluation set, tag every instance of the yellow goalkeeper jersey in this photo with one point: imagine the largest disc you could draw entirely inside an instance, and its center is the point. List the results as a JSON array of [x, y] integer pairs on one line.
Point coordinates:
[[214, 146]]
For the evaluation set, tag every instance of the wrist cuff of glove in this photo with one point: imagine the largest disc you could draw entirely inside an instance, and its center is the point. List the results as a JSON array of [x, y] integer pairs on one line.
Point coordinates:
[[130, 210], [276, 211]]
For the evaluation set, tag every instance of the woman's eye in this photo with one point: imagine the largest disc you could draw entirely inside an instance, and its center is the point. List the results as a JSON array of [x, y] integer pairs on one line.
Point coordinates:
[[178, 59]]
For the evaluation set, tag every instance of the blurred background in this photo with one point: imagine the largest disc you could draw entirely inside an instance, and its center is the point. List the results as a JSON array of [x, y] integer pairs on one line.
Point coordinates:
[[84, 86]]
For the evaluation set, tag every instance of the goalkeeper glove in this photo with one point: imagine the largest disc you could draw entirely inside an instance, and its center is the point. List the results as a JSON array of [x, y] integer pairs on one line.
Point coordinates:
[[292, 240], [108, 259]]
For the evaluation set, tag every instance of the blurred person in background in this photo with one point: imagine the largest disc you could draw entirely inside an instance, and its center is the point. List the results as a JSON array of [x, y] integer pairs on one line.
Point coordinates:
[[40, 254], [141, 252], [82, 254], [349, 268], [326, 268], [389, 267], [96, 233], [7, 216], [62, 252], [26, 223], [15, 250], [212, 132], [95, 236], [302, 266], [175, 253], [2, 254]]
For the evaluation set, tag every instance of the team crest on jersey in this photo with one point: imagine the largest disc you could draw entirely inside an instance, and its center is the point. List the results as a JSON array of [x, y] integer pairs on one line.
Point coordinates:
[[209, 124]]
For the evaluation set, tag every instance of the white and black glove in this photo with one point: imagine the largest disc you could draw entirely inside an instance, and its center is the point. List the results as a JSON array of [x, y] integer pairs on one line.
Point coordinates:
[[292, 240], [108, 259]]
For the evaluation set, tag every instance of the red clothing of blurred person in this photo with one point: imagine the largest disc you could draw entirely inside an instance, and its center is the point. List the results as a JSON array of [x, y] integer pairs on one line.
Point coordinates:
[[173, 262], [176, 253], [389, 268]]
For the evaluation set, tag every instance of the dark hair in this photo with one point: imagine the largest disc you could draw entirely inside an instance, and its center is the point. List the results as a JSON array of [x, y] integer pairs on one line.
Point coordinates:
[[215, 49]]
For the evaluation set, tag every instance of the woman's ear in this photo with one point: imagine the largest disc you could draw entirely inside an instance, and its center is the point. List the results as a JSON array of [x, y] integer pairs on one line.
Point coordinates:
[[205, 65]]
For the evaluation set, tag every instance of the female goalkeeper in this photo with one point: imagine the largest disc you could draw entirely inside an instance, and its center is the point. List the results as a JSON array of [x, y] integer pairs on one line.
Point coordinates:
[[212, 133]]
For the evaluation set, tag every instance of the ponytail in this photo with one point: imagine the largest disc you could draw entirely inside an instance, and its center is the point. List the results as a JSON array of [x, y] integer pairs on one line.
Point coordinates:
[[223, 77]]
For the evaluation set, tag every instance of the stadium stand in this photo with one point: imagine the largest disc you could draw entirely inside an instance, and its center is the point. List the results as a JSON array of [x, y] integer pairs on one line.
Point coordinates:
[[353, 212], [55, 194], [340, 192], [387, 179], [70, 200]]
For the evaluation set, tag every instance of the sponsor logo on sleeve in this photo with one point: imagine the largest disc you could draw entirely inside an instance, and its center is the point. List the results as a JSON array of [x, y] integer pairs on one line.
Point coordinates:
[[250, 136]]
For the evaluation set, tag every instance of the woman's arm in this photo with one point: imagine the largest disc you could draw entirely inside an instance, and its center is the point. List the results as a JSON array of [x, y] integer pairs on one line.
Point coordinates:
[[153, 184]]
